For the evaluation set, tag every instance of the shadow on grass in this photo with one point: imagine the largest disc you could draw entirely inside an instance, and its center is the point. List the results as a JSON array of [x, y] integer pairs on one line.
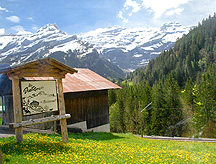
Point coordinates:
[[98, 136], [10, 145], [18, 150]]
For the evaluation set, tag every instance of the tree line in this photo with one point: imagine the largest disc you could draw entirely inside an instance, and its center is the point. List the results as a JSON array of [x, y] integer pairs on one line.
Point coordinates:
[[180, 83]]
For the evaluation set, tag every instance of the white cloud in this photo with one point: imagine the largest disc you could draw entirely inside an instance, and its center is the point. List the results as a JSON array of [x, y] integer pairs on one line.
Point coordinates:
[[35, 28], [133, 4], [130, 7], [30, 18], [120, 15], [2, 31], [3, 9], [17, 28], [154, 13], [24, 33], [14, 19], [174, 11], [148, 8], [159, 7]]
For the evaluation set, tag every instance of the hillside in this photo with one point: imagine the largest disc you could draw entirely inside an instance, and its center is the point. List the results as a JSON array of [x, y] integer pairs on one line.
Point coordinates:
[[190, 57], [180, 83]]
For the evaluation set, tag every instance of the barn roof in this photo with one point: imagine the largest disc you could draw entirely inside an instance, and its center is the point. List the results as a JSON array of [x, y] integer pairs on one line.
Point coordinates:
[[86, 80], [83, 80]]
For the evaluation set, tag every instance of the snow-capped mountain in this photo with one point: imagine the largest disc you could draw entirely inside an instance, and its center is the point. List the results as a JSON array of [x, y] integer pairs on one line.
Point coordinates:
[[47, 40], [50, 41], [131, 48], [100, 50]]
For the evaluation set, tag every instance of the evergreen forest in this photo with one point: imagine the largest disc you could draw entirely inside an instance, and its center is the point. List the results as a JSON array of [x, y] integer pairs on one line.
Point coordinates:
[[179, 87]]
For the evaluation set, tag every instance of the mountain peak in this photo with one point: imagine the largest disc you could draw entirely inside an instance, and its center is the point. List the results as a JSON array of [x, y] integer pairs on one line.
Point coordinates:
[[171, 25], [49, 27]]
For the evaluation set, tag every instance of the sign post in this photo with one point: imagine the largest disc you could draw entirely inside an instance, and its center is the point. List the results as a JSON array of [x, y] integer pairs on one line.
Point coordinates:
[[38, 97], [63, 122], [17, 108]]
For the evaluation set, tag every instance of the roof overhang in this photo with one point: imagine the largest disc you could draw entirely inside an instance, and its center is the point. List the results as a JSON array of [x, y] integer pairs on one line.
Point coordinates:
[[46, 67]]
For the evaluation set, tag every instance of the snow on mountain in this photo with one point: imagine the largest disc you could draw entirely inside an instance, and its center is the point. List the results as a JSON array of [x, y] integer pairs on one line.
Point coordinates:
[[50, 41], [131, 48]]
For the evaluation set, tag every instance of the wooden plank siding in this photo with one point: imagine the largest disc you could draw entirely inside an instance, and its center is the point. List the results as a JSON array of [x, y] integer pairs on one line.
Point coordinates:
[[8, 109], [89, 106]]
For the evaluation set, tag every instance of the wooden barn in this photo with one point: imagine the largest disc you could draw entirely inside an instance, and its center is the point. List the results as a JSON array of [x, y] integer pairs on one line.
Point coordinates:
[[85, 96]]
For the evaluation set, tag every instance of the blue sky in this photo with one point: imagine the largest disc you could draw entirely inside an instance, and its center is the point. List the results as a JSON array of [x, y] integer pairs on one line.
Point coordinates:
[[79, 16]]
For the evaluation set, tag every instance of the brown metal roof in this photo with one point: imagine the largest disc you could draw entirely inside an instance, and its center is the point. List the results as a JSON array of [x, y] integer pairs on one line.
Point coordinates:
[[83, 80]]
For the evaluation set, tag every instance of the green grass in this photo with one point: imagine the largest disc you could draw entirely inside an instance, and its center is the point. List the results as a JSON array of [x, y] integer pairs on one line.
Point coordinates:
[[0, 120], [130, 83], [104, 148]]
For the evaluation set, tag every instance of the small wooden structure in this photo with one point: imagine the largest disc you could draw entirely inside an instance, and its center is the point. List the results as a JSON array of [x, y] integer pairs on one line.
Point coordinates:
[[47, 67], [85, 96]]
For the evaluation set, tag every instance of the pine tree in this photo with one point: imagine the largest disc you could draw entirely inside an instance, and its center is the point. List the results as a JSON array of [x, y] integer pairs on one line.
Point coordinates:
[[205, 110], [112, 97], [114, 116], [131, 103], [147, 113], [189, 95], [121, 108], [117, 114], [159, 115], [173, 107]]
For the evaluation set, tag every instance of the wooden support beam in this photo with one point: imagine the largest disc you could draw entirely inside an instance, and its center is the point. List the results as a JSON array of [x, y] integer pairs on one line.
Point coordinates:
[[37, 74], [62, 110], [39, 121], [41, 70], [41, 74], [17, 108]]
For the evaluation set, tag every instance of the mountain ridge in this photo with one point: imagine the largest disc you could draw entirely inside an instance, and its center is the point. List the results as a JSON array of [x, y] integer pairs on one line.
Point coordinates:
[[136, 45], [50, 41], [103, 50]]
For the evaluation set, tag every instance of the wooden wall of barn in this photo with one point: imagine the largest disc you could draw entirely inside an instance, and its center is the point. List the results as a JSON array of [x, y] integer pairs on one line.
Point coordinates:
[[89, 106], [8, 115]]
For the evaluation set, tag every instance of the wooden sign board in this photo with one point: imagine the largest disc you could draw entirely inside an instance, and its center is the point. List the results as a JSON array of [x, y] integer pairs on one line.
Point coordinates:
[[38, 97]]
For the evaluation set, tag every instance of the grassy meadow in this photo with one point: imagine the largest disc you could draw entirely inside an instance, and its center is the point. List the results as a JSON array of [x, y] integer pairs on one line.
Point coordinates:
[[103, 148]]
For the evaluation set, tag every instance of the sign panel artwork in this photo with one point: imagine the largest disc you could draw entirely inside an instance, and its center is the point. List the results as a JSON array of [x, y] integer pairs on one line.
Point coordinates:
[[38, 97]]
